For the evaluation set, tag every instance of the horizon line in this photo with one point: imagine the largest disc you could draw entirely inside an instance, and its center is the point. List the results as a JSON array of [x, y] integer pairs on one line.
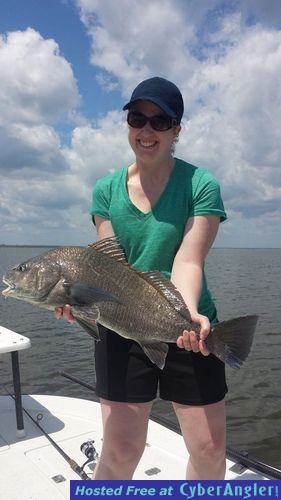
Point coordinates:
[[27, 245]]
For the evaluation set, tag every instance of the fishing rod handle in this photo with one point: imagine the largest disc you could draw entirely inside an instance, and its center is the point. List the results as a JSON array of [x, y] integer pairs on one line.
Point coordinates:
[[74, 466]]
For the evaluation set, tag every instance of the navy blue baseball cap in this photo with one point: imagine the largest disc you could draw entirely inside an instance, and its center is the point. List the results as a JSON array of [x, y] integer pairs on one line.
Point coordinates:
[[161, 92]]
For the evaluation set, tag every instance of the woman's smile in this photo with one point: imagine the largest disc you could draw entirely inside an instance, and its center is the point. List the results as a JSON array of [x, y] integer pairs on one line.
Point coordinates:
[[145, 144]]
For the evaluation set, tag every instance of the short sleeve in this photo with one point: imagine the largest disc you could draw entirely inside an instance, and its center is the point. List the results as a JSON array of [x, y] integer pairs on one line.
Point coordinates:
[[207, 197], [100, 199]]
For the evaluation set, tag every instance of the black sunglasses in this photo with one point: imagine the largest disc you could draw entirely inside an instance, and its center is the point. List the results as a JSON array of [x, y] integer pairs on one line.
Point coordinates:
[[157, 122]]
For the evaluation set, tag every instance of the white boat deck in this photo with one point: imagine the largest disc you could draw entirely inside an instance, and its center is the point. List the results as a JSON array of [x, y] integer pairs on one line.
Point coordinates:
[[32, 468], [30, 465]]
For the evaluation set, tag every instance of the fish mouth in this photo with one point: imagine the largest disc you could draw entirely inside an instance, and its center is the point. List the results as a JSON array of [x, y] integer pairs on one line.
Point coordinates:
[[10, 289]]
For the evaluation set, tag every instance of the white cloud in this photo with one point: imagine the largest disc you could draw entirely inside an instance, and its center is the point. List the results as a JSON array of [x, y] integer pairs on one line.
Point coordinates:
[[36, 83], [236, 127], [268, 12], [229, 74], [98, 150], [32, 149], [37, 90], [133, 40], [44, 209]]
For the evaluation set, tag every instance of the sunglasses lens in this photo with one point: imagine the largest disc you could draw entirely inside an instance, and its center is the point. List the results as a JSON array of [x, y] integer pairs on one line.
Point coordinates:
[[136, 120], [161, 122], [157, 122]]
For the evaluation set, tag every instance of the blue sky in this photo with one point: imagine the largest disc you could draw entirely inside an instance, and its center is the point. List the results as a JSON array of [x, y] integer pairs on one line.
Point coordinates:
[[66, 68], [60, 20]]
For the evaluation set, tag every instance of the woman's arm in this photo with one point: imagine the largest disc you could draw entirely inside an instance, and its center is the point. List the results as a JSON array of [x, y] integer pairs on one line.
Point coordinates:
[[104, 228], [199, 235]]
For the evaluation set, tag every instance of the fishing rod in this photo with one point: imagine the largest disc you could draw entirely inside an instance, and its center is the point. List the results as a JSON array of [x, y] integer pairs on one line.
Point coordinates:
[[238, 457], [78, 381], [82, 383], [250, 463], [241, 458], [74, 466]]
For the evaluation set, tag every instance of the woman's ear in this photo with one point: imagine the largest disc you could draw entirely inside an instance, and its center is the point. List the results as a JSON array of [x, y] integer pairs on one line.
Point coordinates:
[[177, 130]]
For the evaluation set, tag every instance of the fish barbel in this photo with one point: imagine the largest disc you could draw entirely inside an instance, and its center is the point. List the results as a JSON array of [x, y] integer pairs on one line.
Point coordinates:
[[103, 289]]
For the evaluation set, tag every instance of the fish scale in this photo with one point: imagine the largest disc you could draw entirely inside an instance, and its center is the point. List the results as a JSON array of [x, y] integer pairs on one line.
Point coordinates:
[[152, 317]]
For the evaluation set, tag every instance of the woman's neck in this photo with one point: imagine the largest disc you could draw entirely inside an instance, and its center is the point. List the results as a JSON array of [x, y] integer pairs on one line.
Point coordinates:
[[146, 183], [154, 172]]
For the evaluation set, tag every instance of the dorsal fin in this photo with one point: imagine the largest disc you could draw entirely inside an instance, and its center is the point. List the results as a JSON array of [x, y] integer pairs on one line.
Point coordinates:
[[111, 247], [168, 290]]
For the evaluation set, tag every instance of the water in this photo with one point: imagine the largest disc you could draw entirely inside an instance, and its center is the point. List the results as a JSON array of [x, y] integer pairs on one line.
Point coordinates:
[[242, 281]]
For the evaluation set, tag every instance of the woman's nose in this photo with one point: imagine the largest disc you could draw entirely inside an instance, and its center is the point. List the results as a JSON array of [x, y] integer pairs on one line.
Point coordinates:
[[147, 128]]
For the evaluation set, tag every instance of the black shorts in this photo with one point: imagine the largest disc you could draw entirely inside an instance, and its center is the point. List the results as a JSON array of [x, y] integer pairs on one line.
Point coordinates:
[[124, 373]]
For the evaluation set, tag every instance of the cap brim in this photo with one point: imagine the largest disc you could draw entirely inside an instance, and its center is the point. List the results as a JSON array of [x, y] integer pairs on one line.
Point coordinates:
[[154, 100]]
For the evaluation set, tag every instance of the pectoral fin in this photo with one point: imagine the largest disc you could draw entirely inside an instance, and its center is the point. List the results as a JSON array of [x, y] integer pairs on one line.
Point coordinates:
[[156, 351], [83, 294], [87, 318]]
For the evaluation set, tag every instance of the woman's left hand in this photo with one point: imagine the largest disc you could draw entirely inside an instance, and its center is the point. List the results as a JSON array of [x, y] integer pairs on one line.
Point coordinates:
[[189, 339]]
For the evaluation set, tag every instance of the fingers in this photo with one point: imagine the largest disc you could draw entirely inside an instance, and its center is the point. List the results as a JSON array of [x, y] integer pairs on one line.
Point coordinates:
[[203, 348], [58, 312], [204, 332], [65, 313], [188, 341], [205, 327], [191, 341]]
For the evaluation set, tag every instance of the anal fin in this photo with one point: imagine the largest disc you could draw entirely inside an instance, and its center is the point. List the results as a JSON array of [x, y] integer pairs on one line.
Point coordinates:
[[156, 352]]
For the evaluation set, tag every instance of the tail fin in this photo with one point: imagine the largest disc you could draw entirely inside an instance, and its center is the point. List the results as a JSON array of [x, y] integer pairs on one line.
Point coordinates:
[[231, 340]]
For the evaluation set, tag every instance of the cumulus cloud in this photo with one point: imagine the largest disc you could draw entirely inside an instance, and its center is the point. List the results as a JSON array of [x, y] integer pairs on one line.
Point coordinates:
[[98, 150], [228, 66], [238, 127], [44, 210], [131, 40], [35, 150], [37, 91], [36, 82], [269, 12], [225, 59]]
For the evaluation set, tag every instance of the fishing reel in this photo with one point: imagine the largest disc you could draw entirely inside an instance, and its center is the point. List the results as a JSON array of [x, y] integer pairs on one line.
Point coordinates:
[[90, 451]]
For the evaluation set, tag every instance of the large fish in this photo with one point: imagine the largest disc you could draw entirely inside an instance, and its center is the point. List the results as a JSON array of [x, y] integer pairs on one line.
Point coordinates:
[[143, 306]]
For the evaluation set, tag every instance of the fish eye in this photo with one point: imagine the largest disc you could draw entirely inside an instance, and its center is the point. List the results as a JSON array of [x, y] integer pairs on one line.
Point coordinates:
[[21, 267]]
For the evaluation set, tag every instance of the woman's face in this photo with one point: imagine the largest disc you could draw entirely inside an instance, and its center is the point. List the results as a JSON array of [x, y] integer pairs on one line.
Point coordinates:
[[149, 144]]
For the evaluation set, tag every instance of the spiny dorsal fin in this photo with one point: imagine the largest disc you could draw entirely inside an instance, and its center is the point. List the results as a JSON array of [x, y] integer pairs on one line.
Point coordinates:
[[168, 290], [111, 247]]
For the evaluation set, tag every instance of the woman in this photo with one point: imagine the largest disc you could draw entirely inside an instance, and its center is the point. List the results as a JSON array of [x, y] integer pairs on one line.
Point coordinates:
[[166, 214]]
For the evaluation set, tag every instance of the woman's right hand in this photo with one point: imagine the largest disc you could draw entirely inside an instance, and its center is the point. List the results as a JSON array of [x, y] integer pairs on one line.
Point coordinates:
[[65, 313]]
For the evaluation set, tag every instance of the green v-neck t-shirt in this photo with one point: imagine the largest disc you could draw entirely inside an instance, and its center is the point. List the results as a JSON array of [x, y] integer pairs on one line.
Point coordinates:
[[151, 240]]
